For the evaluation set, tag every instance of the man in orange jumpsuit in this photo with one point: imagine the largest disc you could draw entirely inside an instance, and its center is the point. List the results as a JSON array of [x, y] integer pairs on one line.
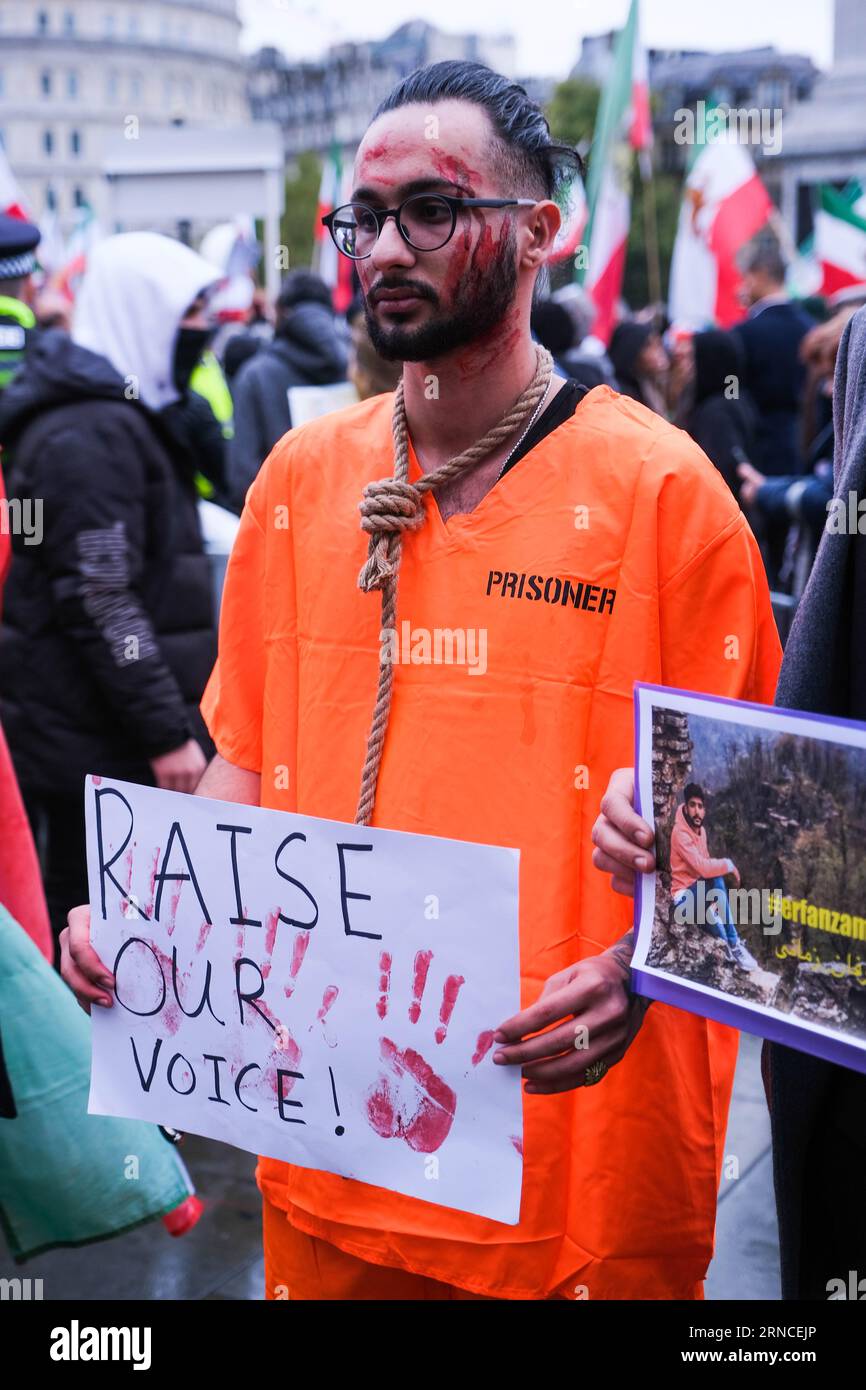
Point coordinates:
[[592, 547]]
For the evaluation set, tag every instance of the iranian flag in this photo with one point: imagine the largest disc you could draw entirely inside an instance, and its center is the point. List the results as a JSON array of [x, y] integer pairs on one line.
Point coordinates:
[[840, 241], [574, 213], [724, 205], [622, 126], [334, 268]]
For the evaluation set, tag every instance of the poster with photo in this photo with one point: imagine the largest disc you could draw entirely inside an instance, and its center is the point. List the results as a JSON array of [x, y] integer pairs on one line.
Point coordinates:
[[756, 913]]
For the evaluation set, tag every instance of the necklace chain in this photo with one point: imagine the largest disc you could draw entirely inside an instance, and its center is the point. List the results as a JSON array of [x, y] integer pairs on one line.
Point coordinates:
[[535, 414]]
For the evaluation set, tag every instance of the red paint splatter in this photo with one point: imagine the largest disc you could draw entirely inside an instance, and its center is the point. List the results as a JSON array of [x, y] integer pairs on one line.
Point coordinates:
[[128, 861], [327, 1000], [449, 999], [482, 1047], [271, 930], [449, 166], [384, 984], [154, 869], [285, 1056], [173, 905], [97, 781], [409, 1101], [518, 1143], [171, 1013], [270, 937], [485, 253], [377, 151], [461, 245], [422, 965], [204, 931], [264, 1012], [299, 950]]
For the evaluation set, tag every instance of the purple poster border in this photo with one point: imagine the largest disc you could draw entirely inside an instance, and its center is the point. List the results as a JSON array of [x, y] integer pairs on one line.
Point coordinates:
[[716, 1006]]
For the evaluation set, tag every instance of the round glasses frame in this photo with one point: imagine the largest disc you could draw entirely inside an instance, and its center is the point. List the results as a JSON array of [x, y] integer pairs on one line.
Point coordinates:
[[333, 223]]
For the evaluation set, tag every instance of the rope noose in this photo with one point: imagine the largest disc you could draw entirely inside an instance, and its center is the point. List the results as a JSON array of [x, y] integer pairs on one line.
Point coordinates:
[[391, 506]]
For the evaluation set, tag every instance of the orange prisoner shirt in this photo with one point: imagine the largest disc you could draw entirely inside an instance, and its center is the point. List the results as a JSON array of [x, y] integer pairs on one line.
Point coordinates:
[[612, 552]]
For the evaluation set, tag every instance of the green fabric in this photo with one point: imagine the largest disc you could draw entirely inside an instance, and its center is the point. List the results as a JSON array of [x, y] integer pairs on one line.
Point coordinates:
[[66, 1177], [838, 205]]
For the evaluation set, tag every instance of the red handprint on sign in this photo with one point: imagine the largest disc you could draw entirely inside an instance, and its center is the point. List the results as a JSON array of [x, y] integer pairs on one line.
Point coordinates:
[[408, 1099]]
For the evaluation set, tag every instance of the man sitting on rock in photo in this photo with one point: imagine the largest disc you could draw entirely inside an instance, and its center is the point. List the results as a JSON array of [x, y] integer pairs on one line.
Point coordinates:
[[691, 865]]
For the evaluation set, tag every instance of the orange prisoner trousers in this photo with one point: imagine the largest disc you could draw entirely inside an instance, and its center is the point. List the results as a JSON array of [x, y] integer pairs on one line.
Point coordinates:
[[300, 1266]]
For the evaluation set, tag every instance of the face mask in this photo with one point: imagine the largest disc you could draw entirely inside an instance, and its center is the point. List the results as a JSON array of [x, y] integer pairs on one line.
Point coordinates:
[[189, 346]]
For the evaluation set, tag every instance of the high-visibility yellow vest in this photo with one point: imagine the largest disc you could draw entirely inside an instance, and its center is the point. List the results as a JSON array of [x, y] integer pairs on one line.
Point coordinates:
[[208, 381], [16, 321]]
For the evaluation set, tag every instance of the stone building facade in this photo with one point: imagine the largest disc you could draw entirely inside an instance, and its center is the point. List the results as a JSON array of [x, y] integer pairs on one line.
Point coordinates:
[[74, 71]]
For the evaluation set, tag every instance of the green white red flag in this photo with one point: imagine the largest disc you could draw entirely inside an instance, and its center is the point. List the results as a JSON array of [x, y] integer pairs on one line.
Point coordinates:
[[334, 268], [622, 126], [840, 241], [724, 205]]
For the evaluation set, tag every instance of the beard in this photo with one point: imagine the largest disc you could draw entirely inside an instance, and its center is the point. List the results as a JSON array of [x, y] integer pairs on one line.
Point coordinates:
[[475, 313]]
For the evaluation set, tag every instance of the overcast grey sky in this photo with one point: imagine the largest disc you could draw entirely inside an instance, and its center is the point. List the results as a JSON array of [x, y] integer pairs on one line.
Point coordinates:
[[548, 32]]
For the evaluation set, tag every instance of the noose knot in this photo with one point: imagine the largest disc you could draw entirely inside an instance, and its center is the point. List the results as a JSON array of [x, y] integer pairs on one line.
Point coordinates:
[[388, 508]]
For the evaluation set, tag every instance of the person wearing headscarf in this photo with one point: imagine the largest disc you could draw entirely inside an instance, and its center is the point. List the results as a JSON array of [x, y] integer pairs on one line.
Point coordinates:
[[640, 363], [713, 406], [108, 632]]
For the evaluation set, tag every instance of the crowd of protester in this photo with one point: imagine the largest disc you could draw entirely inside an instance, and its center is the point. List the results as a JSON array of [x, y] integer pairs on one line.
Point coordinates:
[[758, 398]]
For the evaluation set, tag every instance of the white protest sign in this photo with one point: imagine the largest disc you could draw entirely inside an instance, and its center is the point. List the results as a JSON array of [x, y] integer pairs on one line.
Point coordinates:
[[314, 991]]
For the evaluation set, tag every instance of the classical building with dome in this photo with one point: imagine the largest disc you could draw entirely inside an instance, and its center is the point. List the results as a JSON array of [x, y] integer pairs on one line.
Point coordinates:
[[73, 72]]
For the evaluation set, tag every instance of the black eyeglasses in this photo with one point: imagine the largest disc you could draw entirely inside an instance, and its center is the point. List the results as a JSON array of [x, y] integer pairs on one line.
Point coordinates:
[[426, 221]]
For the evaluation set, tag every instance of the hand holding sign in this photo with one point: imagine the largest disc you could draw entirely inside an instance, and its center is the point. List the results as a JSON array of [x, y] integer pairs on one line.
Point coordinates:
[[306, 989]]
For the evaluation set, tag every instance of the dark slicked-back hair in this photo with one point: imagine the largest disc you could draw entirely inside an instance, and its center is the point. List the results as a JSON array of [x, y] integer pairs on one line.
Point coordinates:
[[530, 162]]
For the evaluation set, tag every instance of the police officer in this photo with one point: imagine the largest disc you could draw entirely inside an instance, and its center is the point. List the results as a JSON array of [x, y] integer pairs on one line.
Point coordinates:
[[18, 242]]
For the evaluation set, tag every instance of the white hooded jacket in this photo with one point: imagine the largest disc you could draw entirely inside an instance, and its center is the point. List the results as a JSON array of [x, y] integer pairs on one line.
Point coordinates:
[[137, 288]]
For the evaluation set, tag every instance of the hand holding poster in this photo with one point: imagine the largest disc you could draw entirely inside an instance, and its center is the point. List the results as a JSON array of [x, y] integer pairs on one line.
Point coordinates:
[[756, 914], [317, 992]]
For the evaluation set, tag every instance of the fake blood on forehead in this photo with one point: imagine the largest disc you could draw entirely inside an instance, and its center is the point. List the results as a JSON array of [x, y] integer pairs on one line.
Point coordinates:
[[449, 166]]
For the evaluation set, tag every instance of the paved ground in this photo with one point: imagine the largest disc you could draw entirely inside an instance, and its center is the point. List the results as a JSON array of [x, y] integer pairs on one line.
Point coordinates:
[[221, 1258], [746, 1263]]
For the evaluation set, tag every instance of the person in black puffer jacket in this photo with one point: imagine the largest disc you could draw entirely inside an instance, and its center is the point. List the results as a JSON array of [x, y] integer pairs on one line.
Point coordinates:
[[307, 349], [108, 633]]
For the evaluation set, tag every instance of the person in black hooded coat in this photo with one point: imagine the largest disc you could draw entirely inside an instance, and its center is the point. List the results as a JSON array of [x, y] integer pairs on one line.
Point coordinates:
[[307, 349], [108, 633]]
